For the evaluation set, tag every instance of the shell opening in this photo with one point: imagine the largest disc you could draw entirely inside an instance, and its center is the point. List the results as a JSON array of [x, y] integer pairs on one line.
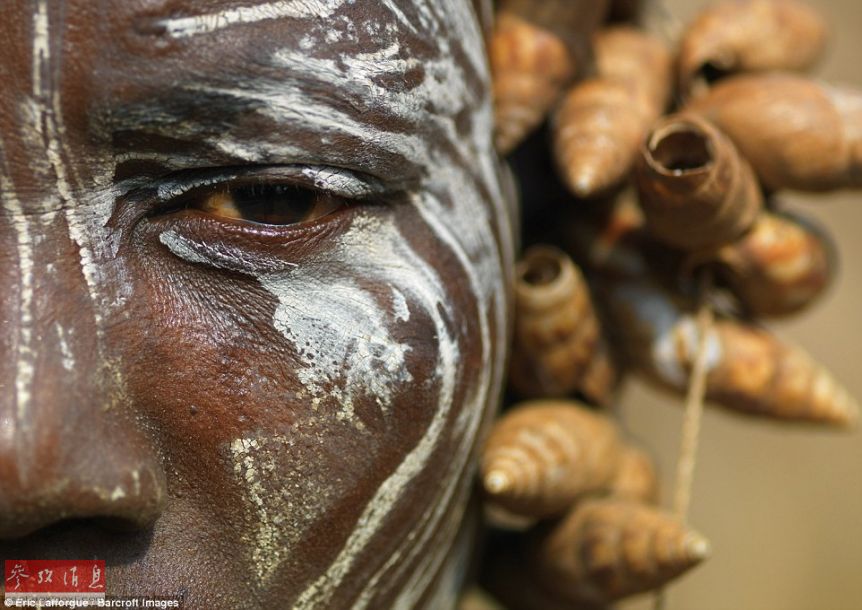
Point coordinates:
[[712, 71], [680, 148], [542, 268]]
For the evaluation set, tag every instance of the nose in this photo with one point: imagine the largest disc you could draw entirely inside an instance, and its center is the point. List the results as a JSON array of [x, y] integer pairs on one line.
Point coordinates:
[[70, 445]]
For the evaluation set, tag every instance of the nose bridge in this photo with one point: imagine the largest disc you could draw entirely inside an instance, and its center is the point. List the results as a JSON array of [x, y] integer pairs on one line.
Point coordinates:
[[69, 445], [55, 350]]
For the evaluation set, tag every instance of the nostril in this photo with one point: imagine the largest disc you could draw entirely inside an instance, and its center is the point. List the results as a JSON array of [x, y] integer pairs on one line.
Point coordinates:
[[114, 540], [130, 504], [106, 526]]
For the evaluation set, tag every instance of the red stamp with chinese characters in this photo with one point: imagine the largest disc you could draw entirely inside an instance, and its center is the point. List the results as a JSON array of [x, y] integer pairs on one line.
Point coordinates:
[[54, 578]]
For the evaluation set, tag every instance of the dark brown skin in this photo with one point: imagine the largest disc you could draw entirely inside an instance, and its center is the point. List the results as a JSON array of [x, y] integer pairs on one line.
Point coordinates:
[[210, 403]]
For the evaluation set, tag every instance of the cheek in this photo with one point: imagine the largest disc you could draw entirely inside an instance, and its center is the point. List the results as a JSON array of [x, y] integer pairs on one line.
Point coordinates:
[[343, 391]]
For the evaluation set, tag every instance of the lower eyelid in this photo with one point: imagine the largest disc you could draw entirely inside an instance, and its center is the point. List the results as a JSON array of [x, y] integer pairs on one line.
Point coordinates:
[[246, 247]]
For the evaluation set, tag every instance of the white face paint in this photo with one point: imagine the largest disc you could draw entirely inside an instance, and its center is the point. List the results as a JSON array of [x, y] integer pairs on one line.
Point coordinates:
[[463, 228], [183, 27], [405, 85], [24, 348]]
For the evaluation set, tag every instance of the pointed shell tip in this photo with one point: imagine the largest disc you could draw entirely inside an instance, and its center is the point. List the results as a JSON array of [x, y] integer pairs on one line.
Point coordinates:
[[851, 414], [697, 547], [497, 482]]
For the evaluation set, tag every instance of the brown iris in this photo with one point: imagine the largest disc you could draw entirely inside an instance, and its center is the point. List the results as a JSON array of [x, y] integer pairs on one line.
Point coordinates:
[[272, 204]]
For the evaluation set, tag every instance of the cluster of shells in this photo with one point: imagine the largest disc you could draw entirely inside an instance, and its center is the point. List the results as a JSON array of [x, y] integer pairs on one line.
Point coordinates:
[[671, 154]]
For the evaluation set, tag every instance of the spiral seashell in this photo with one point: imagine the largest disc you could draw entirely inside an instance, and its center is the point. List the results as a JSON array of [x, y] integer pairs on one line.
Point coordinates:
[[542, 455], [749, 35], [636, 478], [601, 121], [782, 265], [608, 549], [796, 133], [530, 67], [503, 575], [558, 347], [749, 370], [695, 190], [535, 51]]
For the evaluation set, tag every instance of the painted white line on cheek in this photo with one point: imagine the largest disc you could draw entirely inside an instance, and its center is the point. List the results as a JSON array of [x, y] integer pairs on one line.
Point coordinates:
[[465, 216], [429, 295], [267, 532], [180, 248], [41, 48], [332, 325], [444, 535], [429, 524]]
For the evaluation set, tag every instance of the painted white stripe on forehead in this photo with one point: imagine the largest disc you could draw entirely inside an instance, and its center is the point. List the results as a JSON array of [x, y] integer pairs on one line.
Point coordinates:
[[280, 102], [443, 93], [86, 224], [183, 27]]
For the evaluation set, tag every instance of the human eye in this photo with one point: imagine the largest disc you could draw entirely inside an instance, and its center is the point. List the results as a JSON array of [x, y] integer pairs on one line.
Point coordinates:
[[272, 197], [257, 218], [265, 203]]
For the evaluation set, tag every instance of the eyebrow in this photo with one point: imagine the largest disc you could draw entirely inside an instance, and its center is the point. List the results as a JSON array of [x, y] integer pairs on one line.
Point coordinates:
[[263, 124]]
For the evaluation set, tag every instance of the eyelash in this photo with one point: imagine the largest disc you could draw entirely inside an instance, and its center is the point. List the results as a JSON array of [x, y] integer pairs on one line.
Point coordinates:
[[274, 196]]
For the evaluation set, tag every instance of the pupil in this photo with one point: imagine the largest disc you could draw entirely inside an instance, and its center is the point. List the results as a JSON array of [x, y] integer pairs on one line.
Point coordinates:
[[273, 203]]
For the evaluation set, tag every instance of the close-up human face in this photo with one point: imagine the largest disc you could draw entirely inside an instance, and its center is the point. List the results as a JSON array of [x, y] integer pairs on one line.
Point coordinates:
[[253, 295]]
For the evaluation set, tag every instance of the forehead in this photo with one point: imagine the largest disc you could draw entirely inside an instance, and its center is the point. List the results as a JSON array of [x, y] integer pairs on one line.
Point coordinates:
[[381, 77]]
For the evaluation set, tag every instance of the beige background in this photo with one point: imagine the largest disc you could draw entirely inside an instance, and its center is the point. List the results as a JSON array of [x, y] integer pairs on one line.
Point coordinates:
[[782, 506]]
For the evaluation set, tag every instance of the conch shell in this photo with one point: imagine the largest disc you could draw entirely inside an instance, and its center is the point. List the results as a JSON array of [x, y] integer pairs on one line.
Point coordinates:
[[542, 455], [608, 549], [535, 51], [782, 265], [749, 370], [747, 36], [695, 190], [796, 133], [601, 121], [558, 346]]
